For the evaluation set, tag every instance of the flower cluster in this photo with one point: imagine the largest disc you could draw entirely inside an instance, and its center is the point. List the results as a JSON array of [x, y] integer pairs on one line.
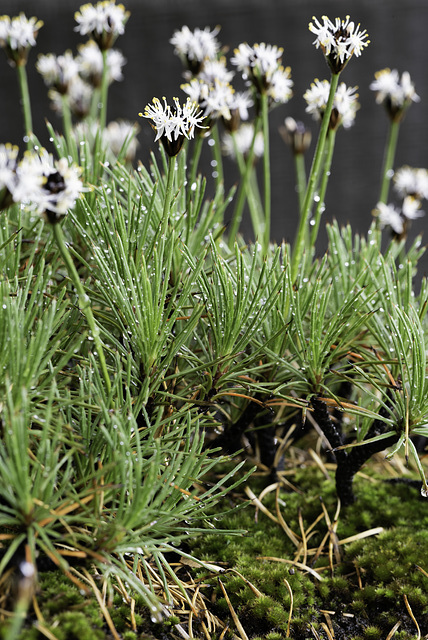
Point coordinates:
[[411, 184], [345, 104], [410, 181], [395, 93], [17, 36], [195, 47], [172, 126], [49, 186], [398, 218], [262, 69], [90, 62], [103, 22], [57, 71], [339, 40], [76, 77]]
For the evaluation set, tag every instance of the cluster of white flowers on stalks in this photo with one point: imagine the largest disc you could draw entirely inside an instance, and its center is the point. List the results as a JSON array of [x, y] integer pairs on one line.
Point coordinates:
[[210, 97]]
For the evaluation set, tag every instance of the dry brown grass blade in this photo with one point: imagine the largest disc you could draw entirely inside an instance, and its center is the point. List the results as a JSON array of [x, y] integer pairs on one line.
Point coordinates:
[[254, 589], [254, 499], [299, 565], [329, 623], [101, 604], [287, 584], [44, 631], [290, 533], [328, 632], [393, 630], [409, 609], [360, 536], [421, 570], [304, 540], [320, 464], [236, 620], [333, 546]]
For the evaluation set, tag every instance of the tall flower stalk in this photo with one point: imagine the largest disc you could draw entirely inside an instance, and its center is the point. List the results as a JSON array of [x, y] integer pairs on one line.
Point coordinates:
[[339, 41], [17, 36], [302, 231], [396, 95]]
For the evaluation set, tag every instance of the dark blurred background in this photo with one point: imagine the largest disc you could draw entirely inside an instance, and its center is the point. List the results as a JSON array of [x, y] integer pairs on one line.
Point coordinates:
[[398, 34]]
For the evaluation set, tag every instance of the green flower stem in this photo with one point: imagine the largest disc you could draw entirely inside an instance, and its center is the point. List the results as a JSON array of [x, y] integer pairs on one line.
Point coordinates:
[[217, 157], [26, 103], [104, 92], [246, 170], [68, 128], [331, 139], [388, 163], [299, 164], [302, 231], [102, 119], [197, 149], [84, 302], [266, 174], [166, 214]]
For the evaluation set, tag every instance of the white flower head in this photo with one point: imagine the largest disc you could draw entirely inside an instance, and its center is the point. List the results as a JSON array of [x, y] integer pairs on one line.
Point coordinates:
[[57, 71], [339, 40], [195, 47], [409, 181], [48, 185], [213, 70], [398, 219], [395, 93], [173, 125], [389, 216], [241, 140], [17, 36], [261, 67], [8, 162], [102, 22], [90, 61], [345, 104]]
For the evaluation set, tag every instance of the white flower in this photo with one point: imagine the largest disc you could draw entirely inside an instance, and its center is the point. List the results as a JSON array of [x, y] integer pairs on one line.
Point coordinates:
[[411, 208], [17, 35], [195, 47], [389, 216], [214, 98], [411, 181], [57, 71], [395, 93], [279, 89], [262, 59], [103, 22], [172, 126], [90, 61], [215, 70], [261, 67], [240, 103], [8, 162], [345, 104], [243, 141], [338, 40], [397, 219]]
